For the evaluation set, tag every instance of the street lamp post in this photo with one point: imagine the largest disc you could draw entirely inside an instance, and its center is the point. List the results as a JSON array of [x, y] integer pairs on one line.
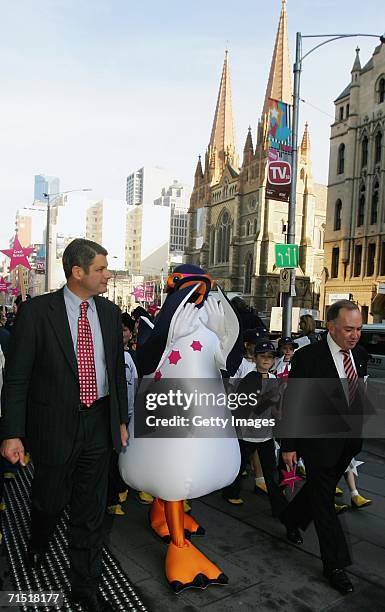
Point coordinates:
[[48, 230], [288, 303]]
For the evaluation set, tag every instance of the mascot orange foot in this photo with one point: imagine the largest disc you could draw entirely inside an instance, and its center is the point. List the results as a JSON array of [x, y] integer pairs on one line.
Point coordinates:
[[159, 523], [186, 566]]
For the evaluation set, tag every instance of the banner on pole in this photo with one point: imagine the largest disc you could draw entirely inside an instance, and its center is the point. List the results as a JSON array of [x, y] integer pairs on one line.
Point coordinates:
[[280, 152]]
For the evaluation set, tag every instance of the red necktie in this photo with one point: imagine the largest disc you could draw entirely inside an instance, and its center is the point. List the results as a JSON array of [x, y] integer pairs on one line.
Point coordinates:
[[351, 375], [86, 360]]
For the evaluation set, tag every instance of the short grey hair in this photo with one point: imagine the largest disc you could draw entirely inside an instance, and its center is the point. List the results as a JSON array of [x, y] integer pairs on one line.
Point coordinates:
[[334, 309], [80, 252]]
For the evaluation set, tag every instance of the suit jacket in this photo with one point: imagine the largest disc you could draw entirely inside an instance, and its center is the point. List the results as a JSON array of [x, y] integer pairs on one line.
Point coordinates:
[[324, 402], [41, 388]]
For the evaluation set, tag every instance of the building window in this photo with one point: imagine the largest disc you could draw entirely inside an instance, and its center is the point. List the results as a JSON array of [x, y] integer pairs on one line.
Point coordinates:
[[381, 90], [371, 259], [248, 273], [223, 238], [247, 228], [335, 262], [255, 227], [364, 152], [341, 159], [374, 208], [378, 148], [347, 110], [361, 208], [341, 113], [337, 215], [364, 313], [357, 260], [212, 245], [382, 262]]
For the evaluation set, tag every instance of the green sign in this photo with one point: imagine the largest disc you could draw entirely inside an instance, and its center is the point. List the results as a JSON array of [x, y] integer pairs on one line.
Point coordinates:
[[286, 255]]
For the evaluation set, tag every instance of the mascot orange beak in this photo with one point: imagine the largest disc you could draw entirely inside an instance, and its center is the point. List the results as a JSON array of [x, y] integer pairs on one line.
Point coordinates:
[[204, 283]]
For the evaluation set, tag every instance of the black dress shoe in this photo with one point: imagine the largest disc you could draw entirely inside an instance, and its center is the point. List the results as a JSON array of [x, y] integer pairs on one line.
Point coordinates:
[[339, 581], [293, 535], [90, 602]]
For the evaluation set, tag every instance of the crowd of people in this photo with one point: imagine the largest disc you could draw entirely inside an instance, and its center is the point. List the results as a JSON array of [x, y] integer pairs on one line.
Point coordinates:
[[71, 377]]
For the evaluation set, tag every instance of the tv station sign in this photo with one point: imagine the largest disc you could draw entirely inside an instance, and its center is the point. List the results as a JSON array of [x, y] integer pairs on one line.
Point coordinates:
[[278, 178]]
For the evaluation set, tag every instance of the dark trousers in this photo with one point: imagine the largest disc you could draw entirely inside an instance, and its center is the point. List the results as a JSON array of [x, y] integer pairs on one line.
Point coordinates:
[[266, 453], [315, 501], [81, 482], [116, 483]]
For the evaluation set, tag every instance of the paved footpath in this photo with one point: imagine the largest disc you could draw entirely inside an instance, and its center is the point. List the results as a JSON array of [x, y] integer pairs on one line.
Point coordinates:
[[266, 572]]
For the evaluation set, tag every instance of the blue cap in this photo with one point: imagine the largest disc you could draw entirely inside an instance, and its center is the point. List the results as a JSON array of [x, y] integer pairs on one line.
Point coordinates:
[[287, 340], [264, 346]]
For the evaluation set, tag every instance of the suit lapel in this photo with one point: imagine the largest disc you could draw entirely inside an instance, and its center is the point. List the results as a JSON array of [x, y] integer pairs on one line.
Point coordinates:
[[360, 365], [328, 366], [329, 370], [59, 320], [105, 321]]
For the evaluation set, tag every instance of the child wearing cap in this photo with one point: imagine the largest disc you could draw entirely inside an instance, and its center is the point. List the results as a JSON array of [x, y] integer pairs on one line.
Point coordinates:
[[286, 348], [250, 338], [264, 353]]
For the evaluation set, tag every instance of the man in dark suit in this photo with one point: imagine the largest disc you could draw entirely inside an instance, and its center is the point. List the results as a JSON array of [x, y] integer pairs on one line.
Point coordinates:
[[65, 392], [333, 405]]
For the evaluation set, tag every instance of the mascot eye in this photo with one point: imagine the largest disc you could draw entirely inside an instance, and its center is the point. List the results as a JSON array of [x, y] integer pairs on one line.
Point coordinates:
[[175, 279]]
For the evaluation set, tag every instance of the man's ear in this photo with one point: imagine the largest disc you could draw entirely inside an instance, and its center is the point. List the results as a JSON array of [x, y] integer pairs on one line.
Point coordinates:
[[77, 272]]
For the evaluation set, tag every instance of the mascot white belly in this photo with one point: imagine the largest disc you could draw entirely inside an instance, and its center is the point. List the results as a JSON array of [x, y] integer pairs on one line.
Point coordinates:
[[188, 467]]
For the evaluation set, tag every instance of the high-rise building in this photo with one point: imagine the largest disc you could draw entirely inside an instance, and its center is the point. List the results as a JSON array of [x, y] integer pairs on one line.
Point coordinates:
[[106, 224], [45, 184], [148, 224], [233, 226], [176, 199], [145, 185], [355, 222]]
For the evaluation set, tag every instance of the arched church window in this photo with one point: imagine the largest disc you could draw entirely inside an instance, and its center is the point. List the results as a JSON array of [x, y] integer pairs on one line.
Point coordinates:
[[374, 207], [212, 245], [378, 148], [341, 159], [381, 90], [248, 273], [361, 207], [337, 215], [255, 226], [364, 152], [248, 228], [223, 238]]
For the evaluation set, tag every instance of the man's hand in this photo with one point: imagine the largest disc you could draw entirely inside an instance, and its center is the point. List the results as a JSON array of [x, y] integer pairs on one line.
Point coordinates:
[[13, 451], [215, 317], [123, 434], [290, 459]]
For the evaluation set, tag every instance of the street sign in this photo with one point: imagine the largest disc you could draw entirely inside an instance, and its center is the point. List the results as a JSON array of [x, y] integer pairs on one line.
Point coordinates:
[[286, 255], [284, 281]]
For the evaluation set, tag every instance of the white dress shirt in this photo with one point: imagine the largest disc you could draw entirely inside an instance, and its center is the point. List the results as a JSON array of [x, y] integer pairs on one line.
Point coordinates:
[[338, 357]]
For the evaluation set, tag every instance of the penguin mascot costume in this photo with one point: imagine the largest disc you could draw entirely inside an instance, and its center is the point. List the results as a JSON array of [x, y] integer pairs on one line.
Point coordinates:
[[194, 337]]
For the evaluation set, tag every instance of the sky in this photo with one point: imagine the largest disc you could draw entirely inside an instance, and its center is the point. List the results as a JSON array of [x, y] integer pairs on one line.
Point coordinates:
[[92, 90]]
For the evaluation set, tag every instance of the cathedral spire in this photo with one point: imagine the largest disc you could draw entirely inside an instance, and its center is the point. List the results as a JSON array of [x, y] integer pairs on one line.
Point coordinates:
[[305, 144], [248, 149], [357, 62], [279, 85], [222, 140], [198, 172]]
